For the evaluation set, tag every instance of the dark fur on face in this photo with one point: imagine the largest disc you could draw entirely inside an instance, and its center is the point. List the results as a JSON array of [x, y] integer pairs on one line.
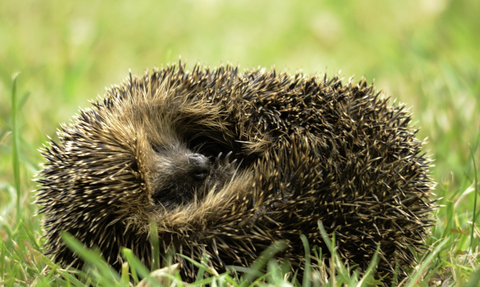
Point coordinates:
[[226, 163], [180, 176]]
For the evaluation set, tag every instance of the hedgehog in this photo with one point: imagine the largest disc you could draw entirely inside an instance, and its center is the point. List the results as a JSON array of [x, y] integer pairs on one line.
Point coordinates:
[[225, 163]]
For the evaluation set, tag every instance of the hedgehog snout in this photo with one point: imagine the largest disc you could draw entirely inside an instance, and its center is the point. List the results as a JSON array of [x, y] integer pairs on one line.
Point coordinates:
[[199, 166]]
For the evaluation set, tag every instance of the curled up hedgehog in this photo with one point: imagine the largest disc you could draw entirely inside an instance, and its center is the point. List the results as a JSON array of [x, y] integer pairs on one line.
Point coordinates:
[[226, 163]]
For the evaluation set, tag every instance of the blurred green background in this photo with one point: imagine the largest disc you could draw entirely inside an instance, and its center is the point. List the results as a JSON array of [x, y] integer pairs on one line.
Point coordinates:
[[424, 53]]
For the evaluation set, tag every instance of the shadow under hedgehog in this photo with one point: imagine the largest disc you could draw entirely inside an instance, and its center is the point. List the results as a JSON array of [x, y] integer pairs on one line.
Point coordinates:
[[226, 163]]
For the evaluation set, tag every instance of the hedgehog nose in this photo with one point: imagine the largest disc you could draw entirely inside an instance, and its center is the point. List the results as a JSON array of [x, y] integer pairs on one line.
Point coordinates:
[[199, 166]]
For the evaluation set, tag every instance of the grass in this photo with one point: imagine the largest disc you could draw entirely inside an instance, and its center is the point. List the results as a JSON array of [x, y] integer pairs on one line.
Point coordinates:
[[422, 53]]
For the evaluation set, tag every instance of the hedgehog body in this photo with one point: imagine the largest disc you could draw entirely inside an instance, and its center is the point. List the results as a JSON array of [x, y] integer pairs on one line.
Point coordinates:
[[225, 164]]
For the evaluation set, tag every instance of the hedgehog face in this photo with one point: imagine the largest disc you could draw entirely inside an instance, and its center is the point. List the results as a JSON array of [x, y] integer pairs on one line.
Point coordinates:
[[180, 176]]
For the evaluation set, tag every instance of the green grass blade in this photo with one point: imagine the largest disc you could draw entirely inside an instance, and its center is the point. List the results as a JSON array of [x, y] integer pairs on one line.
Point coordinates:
[[107, 274], [368, 276], [201, 266], [136, 265], [308, 264], [474, 281], [425, 264], [472, 232], [336, 261], [2, 257], [261, 261], [15, 151], [155, 245]]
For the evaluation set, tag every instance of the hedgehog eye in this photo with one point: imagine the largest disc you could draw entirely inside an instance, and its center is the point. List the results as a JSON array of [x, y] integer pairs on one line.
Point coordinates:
[[134, 166]]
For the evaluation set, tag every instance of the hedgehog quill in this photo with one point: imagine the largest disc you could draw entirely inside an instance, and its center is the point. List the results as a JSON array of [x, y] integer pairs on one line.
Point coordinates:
[[225, 163]]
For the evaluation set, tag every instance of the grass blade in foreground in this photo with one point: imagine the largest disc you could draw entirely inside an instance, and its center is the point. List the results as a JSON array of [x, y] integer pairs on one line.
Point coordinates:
[[15, 152], [474, 280], [423, 267], [261, 261], [106, 274], [136, 265], [475, 184]]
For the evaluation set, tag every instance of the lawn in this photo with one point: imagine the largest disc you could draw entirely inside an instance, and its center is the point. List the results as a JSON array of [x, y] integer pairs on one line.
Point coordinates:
[[56, 55]]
